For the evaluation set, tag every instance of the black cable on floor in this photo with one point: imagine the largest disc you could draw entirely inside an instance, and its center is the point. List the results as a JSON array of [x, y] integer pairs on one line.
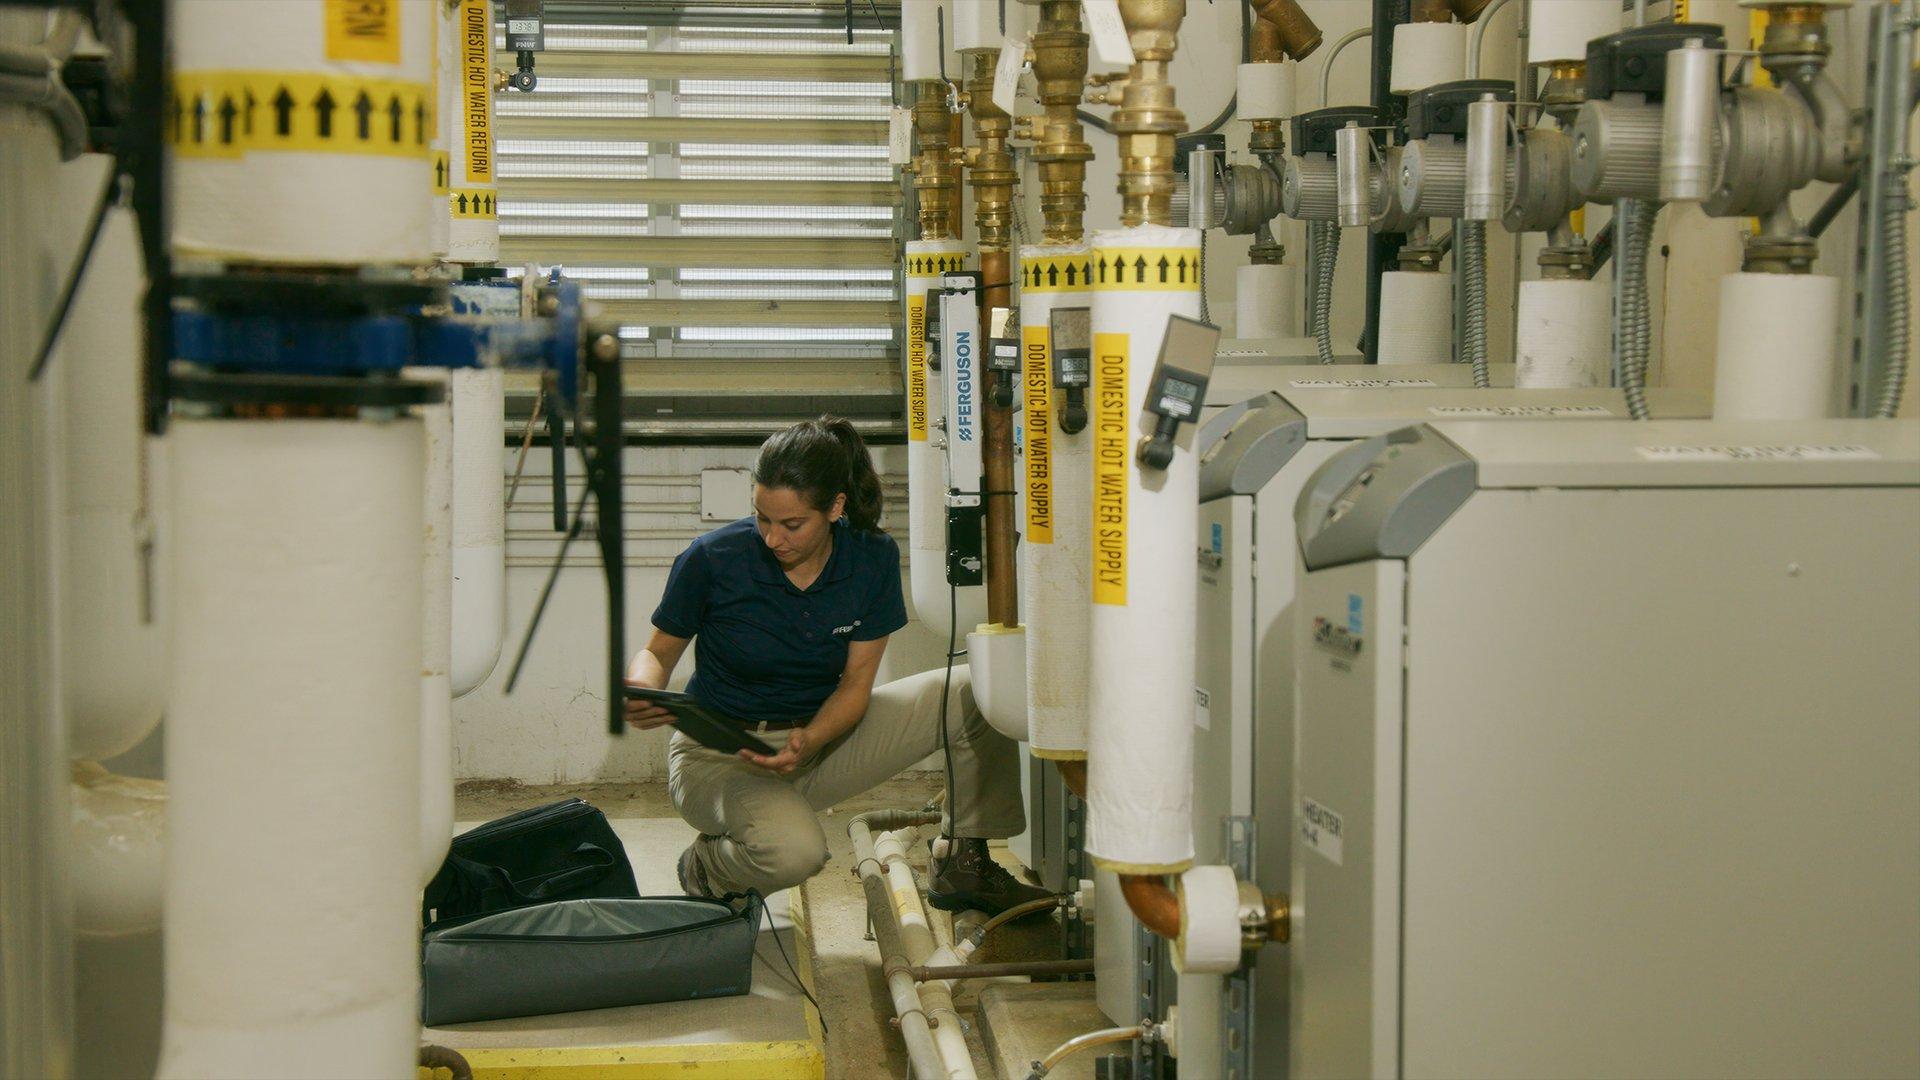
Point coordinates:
[[946, 685], [797, 980]]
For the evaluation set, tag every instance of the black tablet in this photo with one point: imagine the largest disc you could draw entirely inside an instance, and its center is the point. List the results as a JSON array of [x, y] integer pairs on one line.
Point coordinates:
[[706, 727]]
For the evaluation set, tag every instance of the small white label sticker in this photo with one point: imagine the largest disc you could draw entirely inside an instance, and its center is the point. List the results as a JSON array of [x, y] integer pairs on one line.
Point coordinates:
[[1006, 73], [523, 26], [1758, 453], [1459, 412], [1109, 31], [1202, 709], [1322, 830], [1358, 384], [899, 135]]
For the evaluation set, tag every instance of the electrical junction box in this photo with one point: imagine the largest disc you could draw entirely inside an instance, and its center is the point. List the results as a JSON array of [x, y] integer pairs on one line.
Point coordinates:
[[1608, 751], [725, 494], [1256, 457]]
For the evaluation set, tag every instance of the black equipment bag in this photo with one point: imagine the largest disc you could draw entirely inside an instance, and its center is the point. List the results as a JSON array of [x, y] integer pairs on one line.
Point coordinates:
[[561, 851], [588, 954]]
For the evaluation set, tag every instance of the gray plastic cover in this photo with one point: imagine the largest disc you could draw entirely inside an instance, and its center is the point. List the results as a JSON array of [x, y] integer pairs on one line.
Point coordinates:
[[1247, 444], [1381, 498], [587, 954]]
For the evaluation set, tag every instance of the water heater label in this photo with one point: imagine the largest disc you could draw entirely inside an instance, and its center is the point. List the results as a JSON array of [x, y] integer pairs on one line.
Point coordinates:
[[1507, 412], [1111, 456], [1322, 830], [1039, 428], [1758, 453]]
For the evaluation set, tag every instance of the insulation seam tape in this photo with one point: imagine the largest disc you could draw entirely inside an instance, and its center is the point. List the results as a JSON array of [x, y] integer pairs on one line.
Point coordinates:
[[926, 265], [233, 113]]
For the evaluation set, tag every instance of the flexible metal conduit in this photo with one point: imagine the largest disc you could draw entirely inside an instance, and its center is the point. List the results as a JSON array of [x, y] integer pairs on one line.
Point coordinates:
[[936, 1045], [1323, 247], [1472, 252], [1632, 324], [1899, 326]]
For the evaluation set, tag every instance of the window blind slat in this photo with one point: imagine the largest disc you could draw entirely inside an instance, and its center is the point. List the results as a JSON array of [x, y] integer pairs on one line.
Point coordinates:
[[695, 129], [687, 251], [752, 312], [676, 192], [637, 64]]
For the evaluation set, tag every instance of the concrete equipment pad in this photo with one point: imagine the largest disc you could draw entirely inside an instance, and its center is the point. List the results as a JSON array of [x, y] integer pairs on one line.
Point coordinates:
[[1024, 1022], [772, 1032]]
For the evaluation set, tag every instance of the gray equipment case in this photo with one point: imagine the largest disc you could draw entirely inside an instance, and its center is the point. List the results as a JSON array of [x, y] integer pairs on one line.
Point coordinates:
[[588, 954]]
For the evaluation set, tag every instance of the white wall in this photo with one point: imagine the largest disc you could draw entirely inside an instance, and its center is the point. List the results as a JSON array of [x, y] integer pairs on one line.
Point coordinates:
[[552, 729]]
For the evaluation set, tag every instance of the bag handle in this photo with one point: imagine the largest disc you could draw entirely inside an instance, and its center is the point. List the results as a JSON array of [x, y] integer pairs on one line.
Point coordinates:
[[600, 861]]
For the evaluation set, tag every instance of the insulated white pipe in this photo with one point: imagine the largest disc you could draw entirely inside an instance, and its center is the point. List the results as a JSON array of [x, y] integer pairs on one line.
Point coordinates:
[[923, 23], [293, 749], [926, 454], [479, 525], [436, 601], [890, 909], [113, 630], [916, 935], [446, 70], [1056, 542], [472, 199], [243, 191], [1140, 739]]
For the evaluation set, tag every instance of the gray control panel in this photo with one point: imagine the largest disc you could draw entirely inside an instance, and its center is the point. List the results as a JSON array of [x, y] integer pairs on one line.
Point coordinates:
[[1247, 444], [1381, 498]]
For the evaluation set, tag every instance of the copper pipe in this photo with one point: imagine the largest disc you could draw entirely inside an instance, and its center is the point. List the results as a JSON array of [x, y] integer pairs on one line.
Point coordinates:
[[1297, 35], [1153, 903], [1074, 775], [1147, 123], [997, 971], [1003, 567]]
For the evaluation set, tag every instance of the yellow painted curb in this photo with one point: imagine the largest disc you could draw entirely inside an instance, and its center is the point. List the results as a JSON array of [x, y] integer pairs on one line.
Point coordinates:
[[788, 1059]]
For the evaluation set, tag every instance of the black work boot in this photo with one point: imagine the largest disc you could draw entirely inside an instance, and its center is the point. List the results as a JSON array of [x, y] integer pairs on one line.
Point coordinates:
[[693, 877], [967, 879]]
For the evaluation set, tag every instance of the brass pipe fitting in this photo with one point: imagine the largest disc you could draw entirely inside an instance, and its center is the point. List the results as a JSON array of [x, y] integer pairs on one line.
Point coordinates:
[[1061, 150], [990, 161], [1289, 27], [934, 180], [1430, 11], [1147, 123]]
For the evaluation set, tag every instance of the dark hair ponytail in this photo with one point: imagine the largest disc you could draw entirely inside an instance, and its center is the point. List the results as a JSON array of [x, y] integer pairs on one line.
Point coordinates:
[[820, 459]]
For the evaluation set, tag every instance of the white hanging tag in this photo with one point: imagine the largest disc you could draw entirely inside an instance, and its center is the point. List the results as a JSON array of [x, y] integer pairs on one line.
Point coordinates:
[[899, 135], [1109, 31], [1006, 74]]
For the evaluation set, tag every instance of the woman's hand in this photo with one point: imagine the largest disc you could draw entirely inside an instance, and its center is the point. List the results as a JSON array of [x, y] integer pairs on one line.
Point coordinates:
[[799, 747], [646, 715]]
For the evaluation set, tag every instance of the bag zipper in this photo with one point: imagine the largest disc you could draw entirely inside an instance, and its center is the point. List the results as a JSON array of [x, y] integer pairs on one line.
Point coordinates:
[[709, 924], [557, 812]]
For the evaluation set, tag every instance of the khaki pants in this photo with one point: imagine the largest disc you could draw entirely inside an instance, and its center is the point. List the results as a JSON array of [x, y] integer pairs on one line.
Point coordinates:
[[760, 829]]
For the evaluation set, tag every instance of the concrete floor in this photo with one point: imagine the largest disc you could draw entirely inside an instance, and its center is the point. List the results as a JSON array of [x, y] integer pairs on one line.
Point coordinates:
[[847, 977]]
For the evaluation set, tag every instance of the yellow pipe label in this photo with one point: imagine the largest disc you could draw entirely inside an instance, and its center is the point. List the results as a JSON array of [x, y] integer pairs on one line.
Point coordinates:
[[472, 203], [1110, 457], [917, 368], [476, 88], [441, 185], [1147, 269], [933, 264], [1056, 273], [228, 114], [365, 30], [1037, 348]]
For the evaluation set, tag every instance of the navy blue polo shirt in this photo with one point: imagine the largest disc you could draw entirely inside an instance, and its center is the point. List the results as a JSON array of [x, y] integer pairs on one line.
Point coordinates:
[[763, 649]]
